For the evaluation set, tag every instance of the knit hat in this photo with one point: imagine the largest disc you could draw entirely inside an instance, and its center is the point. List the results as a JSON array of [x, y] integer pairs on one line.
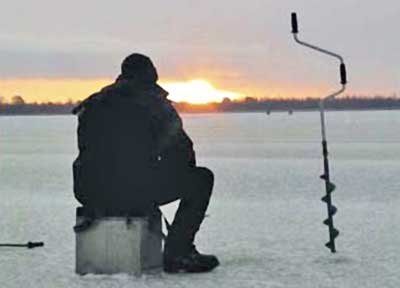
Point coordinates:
[[139, 67]]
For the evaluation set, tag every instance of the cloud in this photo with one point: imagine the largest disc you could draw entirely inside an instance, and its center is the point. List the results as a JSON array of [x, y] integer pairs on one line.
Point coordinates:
[[242, 44]]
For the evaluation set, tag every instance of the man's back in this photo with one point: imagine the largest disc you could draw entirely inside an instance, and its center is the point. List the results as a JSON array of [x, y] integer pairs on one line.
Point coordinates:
[[116, 146]]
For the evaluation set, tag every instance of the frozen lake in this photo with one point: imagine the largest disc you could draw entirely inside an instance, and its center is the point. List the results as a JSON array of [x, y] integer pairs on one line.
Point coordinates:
[[266, 216]]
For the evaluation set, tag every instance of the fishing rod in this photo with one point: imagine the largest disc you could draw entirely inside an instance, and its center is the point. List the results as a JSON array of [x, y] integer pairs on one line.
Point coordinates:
[[29, 245], [329, 186]]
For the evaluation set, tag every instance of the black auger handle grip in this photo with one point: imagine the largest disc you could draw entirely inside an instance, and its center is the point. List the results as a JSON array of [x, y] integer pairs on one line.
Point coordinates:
[[32, 245], [343, 74], [295, 28]]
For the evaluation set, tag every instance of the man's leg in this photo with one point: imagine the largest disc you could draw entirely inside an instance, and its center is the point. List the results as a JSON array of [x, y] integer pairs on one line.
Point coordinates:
[[193, 187], [195, 192]]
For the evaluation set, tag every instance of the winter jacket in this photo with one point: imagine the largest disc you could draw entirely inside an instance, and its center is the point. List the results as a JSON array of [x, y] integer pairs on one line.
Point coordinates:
[[125, 131]]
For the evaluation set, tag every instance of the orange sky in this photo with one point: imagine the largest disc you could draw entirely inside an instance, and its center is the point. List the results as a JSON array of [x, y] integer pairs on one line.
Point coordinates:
[[194, 90], [54, 90]]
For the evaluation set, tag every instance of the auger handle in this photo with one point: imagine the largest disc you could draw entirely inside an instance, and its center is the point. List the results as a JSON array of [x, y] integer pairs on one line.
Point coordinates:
[[295, 28], [32, 245]]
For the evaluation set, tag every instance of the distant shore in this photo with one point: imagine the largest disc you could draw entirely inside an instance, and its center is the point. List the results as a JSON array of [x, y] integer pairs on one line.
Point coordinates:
[[247, 105]]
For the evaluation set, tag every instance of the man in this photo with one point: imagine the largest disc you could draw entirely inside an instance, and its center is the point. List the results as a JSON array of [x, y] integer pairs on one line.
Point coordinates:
[[134, 154]]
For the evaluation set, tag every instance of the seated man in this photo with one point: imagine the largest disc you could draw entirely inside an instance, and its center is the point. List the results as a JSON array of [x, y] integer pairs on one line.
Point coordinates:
[[135, 155]]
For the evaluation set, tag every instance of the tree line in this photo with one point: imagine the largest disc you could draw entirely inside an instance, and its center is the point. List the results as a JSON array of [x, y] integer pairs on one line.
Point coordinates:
[[17, 105]]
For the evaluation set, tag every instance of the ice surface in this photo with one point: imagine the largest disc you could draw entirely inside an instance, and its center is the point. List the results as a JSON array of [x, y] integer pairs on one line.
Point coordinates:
[[266, 216]]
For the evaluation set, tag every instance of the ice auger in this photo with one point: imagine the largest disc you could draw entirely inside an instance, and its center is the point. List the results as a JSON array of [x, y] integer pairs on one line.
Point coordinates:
[[329, 186]]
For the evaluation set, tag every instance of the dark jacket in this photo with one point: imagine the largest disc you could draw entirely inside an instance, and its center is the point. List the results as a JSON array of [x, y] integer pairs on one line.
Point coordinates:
[[125, 131]]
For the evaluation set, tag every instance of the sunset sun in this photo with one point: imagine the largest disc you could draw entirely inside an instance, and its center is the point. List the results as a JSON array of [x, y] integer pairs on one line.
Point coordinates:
[[197, 91]]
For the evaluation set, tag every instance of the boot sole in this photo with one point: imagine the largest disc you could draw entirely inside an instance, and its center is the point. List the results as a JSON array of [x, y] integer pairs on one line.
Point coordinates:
[[178, 270]]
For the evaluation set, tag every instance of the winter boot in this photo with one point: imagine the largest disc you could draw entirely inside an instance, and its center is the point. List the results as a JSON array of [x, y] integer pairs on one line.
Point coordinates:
[[193, 262]]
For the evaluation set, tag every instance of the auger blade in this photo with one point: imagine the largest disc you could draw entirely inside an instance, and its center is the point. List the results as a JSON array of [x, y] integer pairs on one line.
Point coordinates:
[[330, 246], [327, 222], [331, 187], [323, 177], [335, 233], [331, 243], [325, 199], [332, 210]]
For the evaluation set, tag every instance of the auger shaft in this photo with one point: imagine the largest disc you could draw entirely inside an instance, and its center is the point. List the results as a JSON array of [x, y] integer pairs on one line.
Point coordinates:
[[329, 186]]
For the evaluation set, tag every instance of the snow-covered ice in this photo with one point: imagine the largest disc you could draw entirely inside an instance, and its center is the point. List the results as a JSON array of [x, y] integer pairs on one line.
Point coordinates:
[[265, 220]]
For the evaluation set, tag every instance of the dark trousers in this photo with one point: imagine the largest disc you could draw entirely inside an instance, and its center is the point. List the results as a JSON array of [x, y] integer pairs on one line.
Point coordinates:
[[193, 186], [164, 184]]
